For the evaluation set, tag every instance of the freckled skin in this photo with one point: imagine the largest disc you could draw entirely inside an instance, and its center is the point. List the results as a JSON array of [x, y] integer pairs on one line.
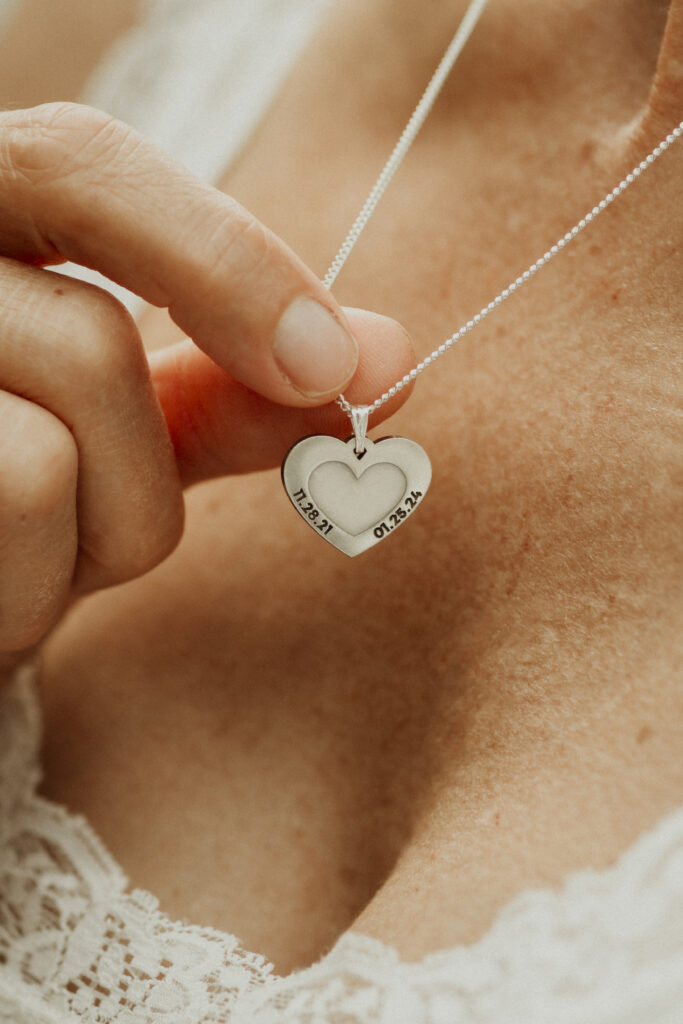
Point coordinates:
[[282, 742]]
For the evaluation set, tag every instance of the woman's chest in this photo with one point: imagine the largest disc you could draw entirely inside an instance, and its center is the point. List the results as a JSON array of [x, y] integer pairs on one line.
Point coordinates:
[[248, 726], [236, 740]]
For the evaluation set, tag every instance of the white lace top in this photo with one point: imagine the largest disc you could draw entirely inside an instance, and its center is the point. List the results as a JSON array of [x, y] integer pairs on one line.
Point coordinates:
[[77, 946]]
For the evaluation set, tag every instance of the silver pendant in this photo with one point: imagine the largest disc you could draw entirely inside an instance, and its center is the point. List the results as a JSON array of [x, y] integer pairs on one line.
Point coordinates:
[[356, 492]]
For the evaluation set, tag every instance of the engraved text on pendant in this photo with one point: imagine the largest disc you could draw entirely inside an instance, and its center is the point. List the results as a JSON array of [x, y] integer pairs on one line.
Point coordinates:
[[354, 501]]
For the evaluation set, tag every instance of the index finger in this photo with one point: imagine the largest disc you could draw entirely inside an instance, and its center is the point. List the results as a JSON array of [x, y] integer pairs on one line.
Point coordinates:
[[77, 184]]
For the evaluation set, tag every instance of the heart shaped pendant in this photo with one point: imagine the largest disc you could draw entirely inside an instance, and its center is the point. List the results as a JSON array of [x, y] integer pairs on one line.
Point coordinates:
[[354, 499]]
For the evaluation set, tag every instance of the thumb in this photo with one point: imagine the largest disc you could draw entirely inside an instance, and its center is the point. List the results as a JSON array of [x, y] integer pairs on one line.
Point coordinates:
[[77, 184], [218, 426]]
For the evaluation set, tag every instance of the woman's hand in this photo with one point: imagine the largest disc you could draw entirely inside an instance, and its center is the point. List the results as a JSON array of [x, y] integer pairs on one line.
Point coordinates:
[[95, 446]]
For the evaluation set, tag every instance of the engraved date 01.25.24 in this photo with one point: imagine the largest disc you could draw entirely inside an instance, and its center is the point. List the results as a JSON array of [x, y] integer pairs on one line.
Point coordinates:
[[408, 505], [308, 509]]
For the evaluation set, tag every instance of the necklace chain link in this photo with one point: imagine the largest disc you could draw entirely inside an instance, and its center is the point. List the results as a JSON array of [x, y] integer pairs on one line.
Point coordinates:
[[417, 119], [407, 138]]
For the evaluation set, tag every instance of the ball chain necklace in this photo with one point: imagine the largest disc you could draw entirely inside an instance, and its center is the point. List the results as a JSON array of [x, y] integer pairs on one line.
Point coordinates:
[[354, 493]]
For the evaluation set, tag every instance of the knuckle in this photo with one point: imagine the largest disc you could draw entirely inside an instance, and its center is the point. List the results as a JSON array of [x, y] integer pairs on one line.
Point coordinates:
[[26, 622], [54, 140], [166, 523], [159, 546], [43, 471], [239, 247], [38, 479], [145, 550], [17, 635], [87, 334], [110, 343], [97, 341]]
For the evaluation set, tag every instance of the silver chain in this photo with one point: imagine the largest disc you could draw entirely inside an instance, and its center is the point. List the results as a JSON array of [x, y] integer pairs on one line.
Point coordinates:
[[403, 145], [417, 119]]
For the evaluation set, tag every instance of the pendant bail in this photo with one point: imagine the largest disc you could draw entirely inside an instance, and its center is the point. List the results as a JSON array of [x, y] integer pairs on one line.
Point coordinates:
[[359, 420]]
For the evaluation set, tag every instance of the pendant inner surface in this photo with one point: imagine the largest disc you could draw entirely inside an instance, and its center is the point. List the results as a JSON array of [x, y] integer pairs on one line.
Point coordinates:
[[356, 503]]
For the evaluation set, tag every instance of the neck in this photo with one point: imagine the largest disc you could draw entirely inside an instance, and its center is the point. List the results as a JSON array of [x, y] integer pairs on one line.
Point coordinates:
[[515, 45]]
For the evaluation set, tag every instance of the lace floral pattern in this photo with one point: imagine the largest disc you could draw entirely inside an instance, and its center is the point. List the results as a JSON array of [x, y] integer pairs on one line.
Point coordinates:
[[77, 945], [71, 931]]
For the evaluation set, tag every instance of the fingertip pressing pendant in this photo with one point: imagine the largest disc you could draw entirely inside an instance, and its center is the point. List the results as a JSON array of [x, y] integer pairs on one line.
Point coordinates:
[[355, 498]]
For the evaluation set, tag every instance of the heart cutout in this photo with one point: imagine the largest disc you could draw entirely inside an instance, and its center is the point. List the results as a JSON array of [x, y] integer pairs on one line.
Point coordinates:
[[355, 501]]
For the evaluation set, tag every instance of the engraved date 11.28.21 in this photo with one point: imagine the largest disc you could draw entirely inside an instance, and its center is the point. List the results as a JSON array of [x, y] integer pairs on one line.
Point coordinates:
[[308, 509]]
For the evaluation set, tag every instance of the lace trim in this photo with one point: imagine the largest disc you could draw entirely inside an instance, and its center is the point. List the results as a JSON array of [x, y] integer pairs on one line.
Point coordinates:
[[606, 949], [71, 931], [75, 945]]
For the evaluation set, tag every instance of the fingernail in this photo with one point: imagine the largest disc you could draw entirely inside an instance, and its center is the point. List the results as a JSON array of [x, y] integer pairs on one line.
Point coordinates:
[[313, 350]]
